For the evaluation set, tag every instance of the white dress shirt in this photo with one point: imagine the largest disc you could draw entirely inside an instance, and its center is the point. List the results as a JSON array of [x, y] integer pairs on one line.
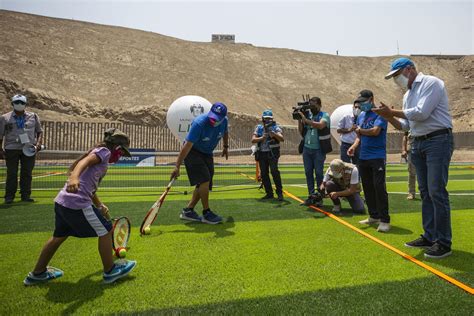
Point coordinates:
[[347, 122], [426, 106]]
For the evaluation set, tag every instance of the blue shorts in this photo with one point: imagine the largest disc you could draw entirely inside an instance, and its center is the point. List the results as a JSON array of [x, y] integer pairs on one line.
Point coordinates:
[[87, 222]]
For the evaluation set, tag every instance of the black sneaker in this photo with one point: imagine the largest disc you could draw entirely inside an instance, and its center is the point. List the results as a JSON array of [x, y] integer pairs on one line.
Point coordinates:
[[8, 201], [267, 197], [307, 202], [280, 197], [421, 242], [27, 199], [437, 251]]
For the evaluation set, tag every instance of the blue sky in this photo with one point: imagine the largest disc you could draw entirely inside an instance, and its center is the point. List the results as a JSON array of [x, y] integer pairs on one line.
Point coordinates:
[[353, 28]]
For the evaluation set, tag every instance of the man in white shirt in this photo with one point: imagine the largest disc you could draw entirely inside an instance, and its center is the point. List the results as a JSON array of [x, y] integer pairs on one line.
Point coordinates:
[[426, 115], [346, 128], [342, 180]]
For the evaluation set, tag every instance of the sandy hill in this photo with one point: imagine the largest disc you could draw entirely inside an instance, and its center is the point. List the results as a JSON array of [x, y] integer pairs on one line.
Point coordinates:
[[82, 71]]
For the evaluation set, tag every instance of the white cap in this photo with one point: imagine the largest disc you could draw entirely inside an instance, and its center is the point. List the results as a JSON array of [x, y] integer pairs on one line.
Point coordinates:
[[336, 167], [19, 97]]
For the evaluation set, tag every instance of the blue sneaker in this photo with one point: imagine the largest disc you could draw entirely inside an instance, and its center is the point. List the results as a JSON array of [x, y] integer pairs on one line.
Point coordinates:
[[190, 215], [49, 274], [121, 269], [211, 218]]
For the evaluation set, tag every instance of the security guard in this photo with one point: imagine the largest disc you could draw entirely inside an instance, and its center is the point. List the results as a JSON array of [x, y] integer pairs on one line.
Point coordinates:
[[19, 128]]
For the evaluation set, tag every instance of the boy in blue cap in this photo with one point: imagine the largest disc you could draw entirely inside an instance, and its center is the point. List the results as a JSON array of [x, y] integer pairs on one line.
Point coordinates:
[[268, 136], [197, 153], [425, 114]]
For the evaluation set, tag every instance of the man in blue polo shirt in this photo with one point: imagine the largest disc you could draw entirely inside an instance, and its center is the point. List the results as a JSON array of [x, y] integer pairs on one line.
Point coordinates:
[[426, 115], [372, 137], [197, 153]]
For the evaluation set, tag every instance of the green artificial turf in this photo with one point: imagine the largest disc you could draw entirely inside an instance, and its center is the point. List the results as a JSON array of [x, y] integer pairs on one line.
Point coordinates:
[[266, 258]]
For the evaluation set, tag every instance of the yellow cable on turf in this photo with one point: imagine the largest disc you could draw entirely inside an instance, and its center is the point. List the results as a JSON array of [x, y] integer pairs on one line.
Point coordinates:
[[446, 277]]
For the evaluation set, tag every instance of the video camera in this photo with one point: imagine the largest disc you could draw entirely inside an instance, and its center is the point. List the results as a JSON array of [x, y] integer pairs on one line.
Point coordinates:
[[268, 126], [303, 107]]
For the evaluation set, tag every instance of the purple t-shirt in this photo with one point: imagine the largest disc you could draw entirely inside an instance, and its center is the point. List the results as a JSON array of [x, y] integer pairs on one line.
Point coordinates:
[[89, 181]]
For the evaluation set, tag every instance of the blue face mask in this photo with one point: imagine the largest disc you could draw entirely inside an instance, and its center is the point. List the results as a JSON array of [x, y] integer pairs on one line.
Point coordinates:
[[365, 106]]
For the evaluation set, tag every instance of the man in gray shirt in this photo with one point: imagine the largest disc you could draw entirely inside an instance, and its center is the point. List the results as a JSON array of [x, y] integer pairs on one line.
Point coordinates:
[[426, 115], [18, 129]]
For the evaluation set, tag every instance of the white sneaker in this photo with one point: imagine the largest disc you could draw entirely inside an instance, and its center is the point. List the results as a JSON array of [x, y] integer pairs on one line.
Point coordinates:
[[383, 227], [369, 221], [336, 209]]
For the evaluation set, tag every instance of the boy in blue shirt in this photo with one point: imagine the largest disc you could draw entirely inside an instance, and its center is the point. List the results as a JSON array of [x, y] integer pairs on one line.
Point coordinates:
[[197, 153], [372, 138]]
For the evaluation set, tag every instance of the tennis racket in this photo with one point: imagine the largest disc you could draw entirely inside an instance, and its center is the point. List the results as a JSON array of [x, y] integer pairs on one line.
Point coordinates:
[[153, 212], [121, 233]]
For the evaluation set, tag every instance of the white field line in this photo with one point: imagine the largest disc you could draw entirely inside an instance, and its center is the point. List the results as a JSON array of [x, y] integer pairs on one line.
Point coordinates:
[[43, 176]]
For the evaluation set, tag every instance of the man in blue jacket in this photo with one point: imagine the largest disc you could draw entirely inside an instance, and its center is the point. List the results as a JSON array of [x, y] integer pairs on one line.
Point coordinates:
[[197, 153], [372, 138]]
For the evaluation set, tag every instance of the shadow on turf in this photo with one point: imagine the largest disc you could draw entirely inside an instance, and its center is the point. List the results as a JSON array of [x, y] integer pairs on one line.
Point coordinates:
[[220, 230], [459, 261], [77, 294], [408, 297]]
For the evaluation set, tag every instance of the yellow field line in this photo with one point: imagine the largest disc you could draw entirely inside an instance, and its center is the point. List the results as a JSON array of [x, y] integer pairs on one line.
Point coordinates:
[[440, 274]]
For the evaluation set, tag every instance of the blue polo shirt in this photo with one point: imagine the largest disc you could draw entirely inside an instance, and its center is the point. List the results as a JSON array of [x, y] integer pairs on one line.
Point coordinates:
[[372, 147], [204, 136]]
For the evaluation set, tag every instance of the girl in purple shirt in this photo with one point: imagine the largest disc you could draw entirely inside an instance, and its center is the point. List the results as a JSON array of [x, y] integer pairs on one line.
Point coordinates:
[[80, 213]]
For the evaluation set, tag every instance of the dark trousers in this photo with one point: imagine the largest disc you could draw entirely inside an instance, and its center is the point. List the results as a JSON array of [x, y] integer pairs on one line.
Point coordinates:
[[345, 157], [372, 173], [356, 202], [12, 159], [267, 161]]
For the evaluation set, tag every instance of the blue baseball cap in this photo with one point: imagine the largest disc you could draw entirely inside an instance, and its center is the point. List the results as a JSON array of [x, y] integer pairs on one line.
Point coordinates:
[[218, 111], [398, 64], [267, 113]]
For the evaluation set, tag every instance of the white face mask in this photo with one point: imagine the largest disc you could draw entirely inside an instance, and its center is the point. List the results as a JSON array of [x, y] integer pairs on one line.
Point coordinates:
[[19, 107], [401, 81], [356, 111]]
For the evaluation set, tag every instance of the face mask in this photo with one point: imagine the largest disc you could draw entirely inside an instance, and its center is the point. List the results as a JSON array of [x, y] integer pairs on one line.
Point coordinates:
[[20, 107], [401, 81], [366, 106], [215, 123], [115, 154], [356, 112]]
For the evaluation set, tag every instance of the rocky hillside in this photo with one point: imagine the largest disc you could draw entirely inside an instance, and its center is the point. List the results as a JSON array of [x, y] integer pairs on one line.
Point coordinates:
[[82, 71]]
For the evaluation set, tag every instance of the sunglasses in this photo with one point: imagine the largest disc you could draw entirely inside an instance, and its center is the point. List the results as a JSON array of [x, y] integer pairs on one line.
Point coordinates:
[[18, 102]]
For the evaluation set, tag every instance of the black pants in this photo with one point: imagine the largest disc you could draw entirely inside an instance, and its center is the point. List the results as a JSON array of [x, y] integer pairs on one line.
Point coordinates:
[[267, 161], [12, 159], [372, 173]]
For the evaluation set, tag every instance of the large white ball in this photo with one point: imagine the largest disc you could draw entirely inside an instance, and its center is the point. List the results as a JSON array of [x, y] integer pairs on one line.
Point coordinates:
[[183, 111], [336, 116]]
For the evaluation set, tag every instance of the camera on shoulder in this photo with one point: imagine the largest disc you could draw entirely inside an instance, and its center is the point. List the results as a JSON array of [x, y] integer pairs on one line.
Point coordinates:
[[303, 106]]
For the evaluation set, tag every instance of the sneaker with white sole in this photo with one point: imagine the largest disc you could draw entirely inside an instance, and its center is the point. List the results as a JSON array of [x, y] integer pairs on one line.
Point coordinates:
[[121, 268], [210, 217], [369, 221], [50, 274], [383, 227], [421, 242], [189, 214]]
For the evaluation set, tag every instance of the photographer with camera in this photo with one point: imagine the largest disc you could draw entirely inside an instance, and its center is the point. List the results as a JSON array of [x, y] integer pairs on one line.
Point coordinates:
[[342, 180], [268, 136], [313, 125]]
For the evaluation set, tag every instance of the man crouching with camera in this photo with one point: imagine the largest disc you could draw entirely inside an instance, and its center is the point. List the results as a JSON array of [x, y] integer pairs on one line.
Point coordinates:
[[313, 125], [342, 180], [268, 136]]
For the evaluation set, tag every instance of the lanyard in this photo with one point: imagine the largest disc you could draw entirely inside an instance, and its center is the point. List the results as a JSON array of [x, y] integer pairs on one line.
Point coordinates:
[[20, 121]]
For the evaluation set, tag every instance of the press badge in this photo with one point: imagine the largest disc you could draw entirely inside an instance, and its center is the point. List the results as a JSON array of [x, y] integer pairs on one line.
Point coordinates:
[[24, 138]]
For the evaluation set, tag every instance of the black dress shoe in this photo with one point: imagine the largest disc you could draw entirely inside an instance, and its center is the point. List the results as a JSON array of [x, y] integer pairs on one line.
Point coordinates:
[[27, 199], [267, 197], [8, 201]]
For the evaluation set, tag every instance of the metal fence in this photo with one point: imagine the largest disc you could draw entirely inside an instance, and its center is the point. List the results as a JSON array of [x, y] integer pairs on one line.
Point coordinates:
[[80, 136]]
